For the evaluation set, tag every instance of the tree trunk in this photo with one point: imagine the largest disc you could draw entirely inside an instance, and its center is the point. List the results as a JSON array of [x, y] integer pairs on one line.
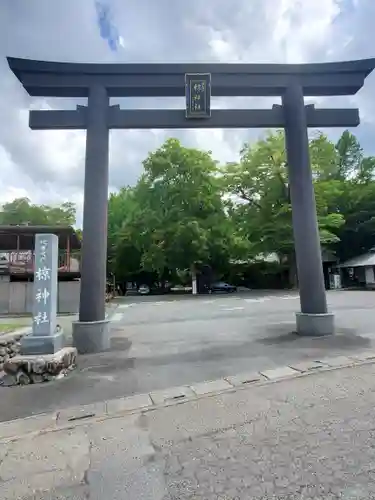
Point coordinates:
[[194, 280], [292, 269]]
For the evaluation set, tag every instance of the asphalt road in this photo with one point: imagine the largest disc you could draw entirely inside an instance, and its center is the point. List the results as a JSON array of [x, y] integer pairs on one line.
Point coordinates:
[[171, 341]]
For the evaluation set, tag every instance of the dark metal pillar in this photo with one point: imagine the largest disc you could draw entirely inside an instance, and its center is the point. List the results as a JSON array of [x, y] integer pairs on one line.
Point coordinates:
[[305, 224], [91, 332]]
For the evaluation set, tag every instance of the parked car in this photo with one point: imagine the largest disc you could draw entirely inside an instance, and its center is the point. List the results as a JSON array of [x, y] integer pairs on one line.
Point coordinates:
[[144, 290], [154, 289], [221, 286]]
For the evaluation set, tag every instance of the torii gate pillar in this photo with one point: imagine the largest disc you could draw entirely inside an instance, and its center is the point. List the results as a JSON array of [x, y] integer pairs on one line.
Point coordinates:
[[313, 318], [91, 333]]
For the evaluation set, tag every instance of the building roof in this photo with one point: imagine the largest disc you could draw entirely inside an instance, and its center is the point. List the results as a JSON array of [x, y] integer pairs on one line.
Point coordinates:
[[27, 229], [9, 233], [367, 259]]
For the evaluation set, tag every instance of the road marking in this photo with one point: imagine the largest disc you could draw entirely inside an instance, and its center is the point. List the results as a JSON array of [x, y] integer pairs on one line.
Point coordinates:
[[125, 306], [272, 297], [117, 317], [233, 308]]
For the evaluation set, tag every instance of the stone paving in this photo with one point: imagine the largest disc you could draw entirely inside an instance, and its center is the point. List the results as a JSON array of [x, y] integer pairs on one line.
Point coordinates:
[[305, 437]]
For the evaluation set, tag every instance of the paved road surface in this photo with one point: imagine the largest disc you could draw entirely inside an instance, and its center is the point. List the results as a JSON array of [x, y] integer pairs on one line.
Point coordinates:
[[159, 343], [309, 438]]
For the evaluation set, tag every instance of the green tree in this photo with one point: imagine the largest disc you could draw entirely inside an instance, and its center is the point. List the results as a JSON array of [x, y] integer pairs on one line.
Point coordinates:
[[124, 258], [261, 203], [350, 156], [357, 200], [177, 219], [22, 211]]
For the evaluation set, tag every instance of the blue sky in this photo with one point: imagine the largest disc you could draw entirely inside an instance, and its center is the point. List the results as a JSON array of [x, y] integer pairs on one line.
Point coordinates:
[[47, 166]]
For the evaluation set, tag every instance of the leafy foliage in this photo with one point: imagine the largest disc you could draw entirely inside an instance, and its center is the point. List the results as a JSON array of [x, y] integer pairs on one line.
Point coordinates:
[[176, 216], [263, 205], [21, 211], [186, 211]]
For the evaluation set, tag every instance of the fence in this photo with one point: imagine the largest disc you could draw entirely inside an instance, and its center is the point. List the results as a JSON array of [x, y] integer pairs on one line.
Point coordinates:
[[16, 297]]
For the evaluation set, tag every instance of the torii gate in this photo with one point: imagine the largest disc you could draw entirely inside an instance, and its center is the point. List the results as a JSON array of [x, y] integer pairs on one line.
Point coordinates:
[[197, 82]]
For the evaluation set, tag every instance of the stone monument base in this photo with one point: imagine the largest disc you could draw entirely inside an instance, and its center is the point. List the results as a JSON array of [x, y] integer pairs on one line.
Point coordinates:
[[91, 336], [315, 325], [46, 344], [33, 369]]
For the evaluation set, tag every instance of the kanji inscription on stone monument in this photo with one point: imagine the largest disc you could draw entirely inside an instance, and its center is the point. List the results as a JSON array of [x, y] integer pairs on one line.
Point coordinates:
[[44, 337], [45, 284]]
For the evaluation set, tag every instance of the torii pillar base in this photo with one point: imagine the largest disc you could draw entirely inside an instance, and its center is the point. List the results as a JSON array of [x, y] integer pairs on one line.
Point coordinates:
[[90, 337], [315, 325]]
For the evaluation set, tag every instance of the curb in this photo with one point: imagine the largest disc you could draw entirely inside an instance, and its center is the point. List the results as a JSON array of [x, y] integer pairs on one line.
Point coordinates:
[[140, 403]]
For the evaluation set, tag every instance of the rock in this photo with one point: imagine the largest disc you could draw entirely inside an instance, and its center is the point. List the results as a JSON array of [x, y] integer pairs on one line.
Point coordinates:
[[36, 369], [3, 351], [39, 365], [8, 381], [11, 366], [74, 359], [53, 367], [68, 359], [36, 378], [1, 366], [62, 374], [22, 378], [3, 342]]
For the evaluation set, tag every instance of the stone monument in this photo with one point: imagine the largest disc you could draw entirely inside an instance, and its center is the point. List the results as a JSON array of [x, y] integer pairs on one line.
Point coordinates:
[[44, 338], [43, 356]]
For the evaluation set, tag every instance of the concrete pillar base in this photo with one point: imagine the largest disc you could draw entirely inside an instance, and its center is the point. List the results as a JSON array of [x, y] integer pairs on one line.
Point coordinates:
[[315, 325], [38, 344], [91, 336]]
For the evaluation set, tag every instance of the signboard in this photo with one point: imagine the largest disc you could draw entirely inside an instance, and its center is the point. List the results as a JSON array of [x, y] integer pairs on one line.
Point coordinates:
[[14, 262], [198, 95], [45, 285]]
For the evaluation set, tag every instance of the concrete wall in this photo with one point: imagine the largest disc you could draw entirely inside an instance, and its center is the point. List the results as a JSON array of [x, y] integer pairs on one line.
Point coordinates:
[[16, 297], [369, 275]]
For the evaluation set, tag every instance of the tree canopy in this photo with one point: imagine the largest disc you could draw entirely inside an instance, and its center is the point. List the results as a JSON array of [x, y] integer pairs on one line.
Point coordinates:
[[22, 211], [187, 211], [175, 217], [262, 204]]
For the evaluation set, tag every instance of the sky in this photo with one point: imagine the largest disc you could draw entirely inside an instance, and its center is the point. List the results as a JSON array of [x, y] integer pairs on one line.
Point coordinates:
[[48, 166]]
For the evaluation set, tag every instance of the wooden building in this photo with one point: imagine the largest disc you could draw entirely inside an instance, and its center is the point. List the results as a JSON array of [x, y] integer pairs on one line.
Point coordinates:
[[17, 251]]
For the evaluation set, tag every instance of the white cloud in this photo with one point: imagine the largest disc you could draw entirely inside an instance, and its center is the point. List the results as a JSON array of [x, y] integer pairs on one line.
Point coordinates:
[[48, 166]]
